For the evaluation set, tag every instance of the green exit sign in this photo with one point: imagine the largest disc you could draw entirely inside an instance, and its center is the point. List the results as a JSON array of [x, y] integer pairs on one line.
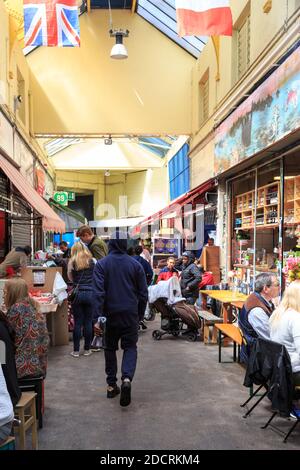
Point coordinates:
[[71, 196], [61, 197]]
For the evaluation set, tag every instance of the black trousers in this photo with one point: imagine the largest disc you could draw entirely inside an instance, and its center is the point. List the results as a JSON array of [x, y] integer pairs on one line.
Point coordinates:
[[128, 335]]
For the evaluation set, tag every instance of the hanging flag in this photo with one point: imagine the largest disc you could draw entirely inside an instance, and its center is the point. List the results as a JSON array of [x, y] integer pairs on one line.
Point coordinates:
[[51, 23], [204, 18]]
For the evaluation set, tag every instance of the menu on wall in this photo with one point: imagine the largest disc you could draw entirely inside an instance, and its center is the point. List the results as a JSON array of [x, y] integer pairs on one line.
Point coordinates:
[[165, 246]]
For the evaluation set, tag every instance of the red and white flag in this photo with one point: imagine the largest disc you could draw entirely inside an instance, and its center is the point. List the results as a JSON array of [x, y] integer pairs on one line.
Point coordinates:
[[204, 18]]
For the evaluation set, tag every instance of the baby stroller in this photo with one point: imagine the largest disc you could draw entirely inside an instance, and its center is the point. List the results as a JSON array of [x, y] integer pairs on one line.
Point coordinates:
[[177, 317]]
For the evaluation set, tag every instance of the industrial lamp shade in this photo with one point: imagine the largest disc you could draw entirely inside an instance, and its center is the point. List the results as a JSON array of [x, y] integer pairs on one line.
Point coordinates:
[[119, 51]]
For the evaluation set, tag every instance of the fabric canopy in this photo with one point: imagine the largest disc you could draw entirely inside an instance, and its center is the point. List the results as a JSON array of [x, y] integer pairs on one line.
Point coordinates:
[[50, 220]]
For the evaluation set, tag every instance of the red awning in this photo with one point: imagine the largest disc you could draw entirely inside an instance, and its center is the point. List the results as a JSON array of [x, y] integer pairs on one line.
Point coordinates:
[[50, 220], [180, 201]]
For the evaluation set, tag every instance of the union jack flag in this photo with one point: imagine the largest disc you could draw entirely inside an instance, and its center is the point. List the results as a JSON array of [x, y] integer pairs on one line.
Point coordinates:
[[51, 23]]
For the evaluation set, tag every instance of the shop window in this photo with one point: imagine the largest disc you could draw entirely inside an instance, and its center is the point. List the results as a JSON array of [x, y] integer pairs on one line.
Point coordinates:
[[243, 47], [21, 92], [291, 206], [204, 98], [256, 214]]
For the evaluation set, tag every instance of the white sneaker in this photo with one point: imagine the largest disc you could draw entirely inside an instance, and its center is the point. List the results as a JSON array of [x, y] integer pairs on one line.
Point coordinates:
[[87, 353], [74, 353]]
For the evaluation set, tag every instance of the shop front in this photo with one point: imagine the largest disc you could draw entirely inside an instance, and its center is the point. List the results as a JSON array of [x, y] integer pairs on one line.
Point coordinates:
[[258, 146], [183, 225]]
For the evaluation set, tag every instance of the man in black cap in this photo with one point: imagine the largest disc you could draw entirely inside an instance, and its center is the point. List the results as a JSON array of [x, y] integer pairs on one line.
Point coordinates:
[[121, 296], [190, 277]]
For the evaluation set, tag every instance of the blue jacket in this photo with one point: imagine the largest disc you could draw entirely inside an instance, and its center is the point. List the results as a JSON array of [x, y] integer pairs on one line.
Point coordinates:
[[147, 268], [120, 287]]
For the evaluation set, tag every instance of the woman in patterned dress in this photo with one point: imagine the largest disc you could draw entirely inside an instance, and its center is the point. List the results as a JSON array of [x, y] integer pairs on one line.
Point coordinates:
[[29, 324]]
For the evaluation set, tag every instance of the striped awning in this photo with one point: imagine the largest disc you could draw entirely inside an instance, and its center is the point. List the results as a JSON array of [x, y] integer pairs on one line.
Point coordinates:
[[50, 220]]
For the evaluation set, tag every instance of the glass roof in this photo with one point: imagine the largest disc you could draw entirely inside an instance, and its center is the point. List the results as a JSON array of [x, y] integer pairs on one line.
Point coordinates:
[[56, 145], [162, 15], [157, 145]]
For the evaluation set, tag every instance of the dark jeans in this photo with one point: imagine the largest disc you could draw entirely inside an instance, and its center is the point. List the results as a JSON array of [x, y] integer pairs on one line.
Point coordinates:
[[129, 338], [83, 313]]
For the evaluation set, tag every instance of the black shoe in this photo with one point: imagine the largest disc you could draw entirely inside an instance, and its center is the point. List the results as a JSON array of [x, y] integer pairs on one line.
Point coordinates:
[[115, 390], [143, 326], [125, 397]]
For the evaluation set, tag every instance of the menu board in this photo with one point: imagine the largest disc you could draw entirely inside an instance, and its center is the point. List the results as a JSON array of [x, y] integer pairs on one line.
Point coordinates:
[[166, 246]]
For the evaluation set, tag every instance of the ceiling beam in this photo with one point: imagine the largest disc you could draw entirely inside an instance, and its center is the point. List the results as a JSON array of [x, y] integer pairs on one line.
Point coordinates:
[[133, 7]]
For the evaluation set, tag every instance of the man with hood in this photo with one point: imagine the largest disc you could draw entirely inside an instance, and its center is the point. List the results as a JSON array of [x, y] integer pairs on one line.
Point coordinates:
[[190, 277], [121, 296]]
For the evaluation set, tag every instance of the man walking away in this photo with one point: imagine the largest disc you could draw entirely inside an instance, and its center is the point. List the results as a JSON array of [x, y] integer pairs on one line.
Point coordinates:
[[121, 296], [96, 246]]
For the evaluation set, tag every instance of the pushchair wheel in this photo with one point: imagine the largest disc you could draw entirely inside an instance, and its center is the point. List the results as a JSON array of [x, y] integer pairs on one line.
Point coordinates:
[[156, 335], [191, 336]]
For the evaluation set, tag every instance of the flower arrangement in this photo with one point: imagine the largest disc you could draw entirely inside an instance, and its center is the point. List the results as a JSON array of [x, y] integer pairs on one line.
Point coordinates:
[[292, 268]]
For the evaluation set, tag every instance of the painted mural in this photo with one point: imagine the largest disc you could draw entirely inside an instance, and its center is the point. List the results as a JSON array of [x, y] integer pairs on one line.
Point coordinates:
[[268, 115]]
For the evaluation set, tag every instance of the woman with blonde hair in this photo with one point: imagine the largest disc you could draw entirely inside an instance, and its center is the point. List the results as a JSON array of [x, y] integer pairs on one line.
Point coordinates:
[[29, 325], [80, 272], [285, 326]]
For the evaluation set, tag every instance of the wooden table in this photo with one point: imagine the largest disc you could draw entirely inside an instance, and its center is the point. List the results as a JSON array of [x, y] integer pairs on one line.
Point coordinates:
[[227, 298]]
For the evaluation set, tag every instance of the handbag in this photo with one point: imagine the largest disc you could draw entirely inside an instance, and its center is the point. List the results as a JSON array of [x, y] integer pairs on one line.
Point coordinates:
[[72, 294]]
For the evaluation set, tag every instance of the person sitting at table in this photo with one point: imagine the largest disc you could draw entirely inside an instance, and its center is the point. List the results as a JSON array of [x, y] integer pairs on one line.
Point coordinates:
[[17, 258], [168, 271], [254, 316], [285, 326], [29, 324]]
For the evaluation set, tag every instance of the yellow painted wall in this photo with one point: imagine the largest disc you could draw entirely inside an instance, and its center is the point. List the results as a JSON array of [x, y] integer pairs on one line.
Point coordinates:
[[11, 60], [266, 30], [4, 51], [83, 91], [146, 191], [202, 163]]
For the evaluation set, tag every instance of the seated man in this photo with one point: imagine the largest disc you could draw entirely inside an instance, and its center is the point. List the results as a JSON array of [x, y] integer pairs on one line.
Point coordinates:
[[254, 317], [168, 271], [17, 258], [207, 277]]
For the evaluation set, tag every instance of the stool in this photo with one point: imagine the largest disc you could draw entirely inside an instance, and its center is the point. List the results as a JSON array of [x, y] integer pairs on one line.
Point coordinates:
[[9, 444], [35, 384], [26, 402]]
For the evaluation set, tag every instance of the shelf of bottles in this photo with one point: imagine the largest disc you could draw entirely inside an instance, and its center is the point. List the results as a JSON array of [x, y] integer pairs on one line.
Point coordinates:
[[267, 211]]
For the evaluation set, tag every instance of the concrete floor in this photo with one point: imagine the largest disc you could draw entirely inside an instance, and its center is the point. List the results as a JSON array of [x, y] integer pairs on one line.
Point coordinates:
[[182, 398]]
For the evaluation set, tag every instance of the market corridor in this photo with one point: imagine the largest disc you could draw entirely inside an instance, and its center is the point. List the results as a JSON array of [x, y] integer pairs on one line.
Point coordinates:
[[182, 399]]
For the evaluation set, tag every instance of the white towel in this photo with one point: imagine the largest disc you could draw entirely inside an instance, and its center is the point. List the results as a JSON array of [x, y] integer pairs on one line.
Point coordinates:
[[168, 289]]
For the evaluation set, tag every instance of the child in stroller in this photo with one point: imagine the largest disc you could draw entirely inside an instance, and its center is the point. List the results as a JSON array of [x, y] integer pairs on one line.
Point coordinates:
[[177, 317]]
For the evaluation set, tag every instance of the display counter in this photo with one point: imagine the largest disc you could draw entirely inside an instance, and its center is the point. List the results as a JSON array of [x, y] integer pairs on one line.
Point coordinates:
[[41, 280]]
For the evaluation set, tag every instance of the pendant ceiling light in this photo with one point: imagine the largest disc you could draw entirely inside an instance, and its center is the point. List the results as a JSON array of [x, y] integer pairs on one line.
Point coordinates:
[[118, 51]]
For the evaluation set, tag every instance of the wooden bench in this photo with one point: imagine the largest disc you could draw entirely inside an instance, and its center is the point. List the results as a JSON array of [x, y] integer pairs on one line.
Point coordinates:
[[209, 320], [230, 331], [9, 444], [25, 411]]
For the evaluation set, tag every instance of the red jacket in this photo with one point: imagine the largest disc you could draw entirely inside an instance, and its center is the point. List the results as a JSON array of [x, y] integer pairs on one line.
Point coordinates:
[[207, 280], [165, 274]]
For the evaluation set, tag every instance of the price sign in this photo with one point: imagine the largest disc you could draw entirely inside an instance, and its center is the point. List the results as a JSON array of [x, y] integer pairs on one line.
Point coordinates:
[[61, 198]]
